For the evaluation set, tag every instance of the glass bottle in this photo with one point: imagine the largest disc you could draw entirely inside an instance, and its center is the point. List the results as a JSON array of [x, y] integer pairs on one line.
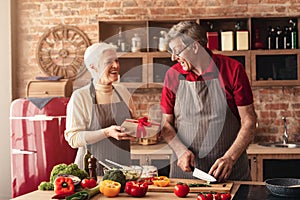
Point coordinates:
[[120, 38], [258, 43], [278, 38], [271, 38], [286, 38], [293, 30], [86, 157]]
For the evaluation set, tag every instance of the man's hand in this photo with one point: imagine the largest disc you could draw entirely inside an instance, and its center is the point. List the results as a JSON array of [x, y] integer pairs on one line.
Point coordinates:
[[186, 161], [222, 168]]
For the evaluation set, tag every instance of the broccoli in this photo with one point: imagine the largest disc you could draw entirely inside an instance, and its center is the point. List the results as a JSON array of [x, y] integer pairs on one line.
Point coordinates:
[[71, 169], [46, 186], [116, 175]]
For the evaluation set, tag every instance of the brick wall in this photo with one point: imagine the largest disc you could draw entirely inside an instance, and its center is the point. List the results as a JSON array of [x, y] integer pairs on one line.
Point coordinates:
[[31, 18]]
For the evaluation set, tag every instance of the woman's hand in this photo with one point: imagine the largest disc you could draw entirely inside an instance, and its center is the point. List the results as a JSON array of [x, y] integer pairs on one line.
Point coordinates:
[[118, 133]]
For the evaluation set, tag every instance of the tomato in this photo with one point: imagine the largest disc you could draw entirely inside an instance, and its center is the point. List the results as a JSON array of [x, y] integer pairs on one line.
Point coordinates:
[[217, 196], [225, 196], [136, 189], [209, 196], [88, 183], [201, 197], [110, 188], [222, 196], [205, 196], [181, 189], [161, 181]]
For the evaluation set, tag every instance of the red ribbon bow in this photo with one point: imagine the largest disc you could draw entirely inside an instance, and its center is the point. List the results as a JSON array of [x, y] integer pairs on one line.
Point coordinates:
[[140, 128]]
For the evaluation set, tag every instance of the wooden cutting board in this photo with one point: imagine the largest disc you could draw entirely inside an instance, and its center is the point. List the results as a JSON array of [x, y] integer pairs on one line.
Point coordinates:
[[215, 187]]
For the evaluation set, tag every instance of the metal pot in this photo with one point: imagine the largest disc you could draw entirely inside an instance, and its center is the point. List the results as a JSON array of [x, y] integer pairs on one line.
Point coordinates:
[[284, 187]]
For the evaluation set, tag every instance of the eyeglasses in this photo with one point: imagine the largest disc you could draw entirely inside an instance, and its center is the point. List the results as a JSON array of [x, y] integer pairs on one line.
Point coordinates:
[[178, 53]]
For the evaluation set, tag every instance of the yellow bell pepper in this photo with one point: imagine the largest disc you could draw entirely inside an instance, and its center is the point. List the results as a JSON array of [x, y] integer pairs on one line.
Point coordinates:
[[161, 181], [110, 188]]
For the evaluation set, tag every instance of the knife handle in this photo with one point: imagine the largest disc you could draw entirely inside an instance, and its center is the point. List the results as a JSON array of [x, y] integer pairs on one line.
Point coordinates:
[[192, 168]]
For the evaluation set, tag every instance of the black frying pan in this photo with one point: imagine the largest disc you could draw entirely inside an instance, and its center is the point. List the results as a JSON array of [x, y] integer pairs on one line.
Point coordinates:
[[284, 187]]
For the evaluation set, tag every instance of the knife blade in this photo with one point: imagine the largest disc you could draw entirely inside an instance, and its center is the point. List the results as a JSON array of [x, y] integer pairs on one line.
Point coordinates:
[[202, 175]]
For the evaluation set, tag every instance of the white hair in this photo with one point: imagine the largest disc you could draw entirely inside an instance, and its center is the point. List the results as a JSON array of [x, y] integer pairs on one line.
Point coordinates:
[[93, 55]]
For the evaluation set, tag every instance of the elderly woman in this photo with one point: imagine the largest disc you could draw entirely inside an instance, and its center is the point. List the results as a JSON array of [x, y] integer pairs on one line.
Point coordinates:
[[96, 111]]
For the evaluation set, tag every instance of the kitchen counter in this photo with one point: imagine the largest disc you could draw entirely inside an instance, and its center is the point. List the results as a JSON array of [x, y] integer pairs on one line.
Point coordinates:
[[258, 157], [154, 149], [259, 149], [41, 195], [263, 159], [163, 148]]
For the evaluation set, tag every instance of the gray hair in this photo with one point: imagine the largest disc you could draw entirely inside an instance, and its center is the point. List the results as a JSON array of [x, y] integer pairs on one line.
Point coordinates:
[[188, 31]]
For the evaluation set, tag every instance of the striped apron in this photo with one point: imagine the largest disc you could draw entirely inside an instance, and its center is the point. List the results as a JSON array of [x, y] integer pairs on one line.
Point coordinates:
[[103, 116], [207, 126]]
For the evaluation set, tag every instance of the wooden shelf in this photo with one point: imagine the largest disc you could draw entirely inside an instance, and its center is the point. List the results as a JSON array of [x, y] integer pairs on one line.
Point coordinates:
[[153, 64]]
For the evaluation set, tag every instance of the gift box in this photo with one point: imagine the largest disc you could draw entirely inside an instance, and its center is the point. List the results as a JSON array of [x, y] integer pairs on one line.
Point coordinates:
[[141, 128]]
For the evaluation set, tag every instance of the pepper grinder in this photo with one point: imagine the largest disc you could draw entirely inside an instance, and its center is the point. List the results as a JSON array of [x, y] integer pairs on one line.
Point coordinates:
[[92, 167]]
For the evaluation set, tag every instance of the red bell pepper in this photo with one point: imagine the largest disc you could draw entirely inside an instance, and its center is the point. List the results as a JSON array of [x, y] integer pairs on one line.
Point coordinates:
[[63, 186], [136, 189]]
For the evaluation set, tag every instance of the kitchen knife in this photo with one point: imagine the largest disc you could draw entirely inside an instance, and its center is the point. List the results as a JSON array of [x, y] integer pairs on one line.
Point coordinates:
[[202, 175]]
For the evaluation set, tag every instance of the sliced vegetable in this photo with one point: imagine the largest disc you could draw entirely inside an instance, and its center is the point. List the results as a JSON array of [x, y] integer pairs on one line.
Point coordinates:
[[136, 189], [116, 175], [199, 185], [110, 188], [148, 180], [63, 186], [161, 181]]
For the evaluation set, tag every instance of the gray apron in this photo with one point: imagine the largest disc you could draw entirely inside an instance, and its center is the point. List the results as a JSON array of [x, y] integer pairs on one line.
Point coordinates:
[[103, 116], [207, 126]]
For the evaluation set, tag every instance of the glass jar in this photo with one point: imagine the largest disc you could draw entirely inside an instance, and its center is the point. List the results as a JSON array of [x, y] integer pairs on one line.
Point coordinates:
[[136, 43]]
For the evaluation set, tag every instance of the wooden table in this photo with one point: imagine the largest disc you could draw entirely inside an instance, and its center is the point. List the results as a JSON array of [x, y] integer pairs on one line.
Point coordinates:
[[41, 195]]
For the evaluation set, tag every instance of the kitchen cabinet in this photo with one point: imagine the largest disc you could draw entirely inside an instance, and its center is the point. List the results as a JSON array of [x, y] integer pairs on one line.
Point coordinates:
[[270, 162], [146, 69], [275, 67]]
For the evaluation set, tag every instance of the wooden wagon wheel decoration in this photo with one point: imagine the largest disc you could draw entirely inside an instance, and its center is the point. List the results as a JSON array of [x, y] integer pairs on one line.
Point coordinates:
[[61, 50]]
